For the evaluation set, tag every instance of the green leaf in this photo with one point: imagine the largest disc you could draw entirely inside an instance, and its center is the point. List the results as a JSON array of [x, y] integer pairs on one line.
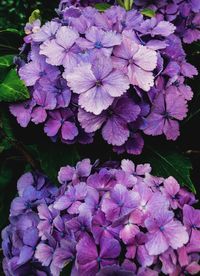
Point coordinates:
[[170, 163], [128, 4], [10, 42], [148, 12], [34, 16], [5, 123], [6, 61], [5, 64], [13, 89], [102, 6]]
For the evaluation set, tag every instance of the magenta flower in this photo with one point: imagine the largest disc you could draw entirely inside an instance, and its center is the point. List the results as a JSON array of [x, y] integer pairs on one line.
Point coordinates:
[[58, 90], [164, 231], [80, 226], [133, 145], [91, 203], [30, 240], [192, 32], [44, 253], [167, 110], [68, 173], [35, 70], [171, 189], [102, 228], [119, 202], [45, 101], [88, 258], [99, 41], [129, 167], [150, 202], [104, 180], [60, 51], [64, 255], [156, 28], [47, 32], [180, 88], [46, 215], [191, 218], [130, 228], [72, 199], [23, 111], [115, 121], [97, 84], [60, 120], [137, 61]]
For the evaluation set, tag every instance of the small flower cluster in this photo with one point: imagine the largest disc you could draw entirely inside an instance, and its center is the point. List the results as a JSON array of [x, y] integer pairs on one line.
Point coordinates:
[[184, 14], [115, 72], [21, 237], [104, 220]]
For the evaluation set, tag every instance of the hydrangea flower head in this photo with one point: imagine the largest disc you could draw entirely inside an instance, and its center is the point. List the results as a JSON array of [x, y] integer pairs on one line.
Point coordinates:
[[84, 68], [102, 220]]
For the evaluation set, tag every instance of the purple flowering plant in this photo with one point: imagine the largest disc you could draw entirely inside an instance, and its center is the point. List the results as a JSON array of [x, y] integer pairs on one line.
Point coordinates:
[[102, 220], [108, 75], [118, 73]]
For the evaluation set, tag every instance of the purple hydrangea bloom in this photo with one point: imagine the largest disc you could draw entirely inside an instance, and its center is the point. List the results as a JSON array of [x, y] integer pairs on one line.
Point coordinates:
[[89, 259], [103, 219], [21, 237], [99, 41], [167, 109], [115, 130], [97, 84], [72, 199], [164, 231], [63, 48], [137, 61], [60, 120], [34, 70], [83, 64], [46, 32]]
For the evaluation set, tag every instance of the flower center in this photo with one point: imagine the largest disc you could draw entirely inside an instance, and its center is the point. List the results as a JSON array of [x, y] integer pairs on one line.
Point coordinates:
[[83, 228], [123, 23], [26, 105], [98, 83], [28, 205], [162, 228], [120, 204], [42, 74], [192, 26], [194, 226], [166, 114], [62, 121], [98, 45], [176, 83], [130, 61], [98, 259]]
